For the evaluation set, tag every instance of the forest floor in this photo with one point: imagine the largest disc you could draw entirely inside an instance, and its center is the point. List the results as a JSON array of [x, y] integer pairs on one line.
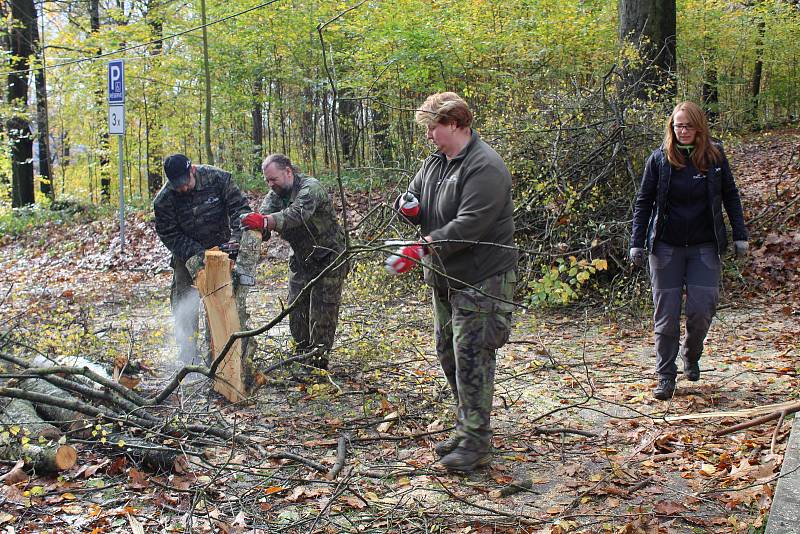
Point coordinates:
[[573, 410]]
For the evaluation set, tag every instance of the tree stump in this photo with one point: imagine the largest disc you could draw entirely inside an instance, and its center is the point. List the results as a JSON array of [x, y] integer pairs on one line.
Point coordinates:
[[215, 285]]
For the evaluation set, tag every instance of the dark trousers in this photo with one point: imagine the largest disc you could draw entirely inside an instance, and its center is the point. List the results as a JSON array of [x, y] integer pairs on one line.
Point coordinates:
[[696, 269], [313, 321]]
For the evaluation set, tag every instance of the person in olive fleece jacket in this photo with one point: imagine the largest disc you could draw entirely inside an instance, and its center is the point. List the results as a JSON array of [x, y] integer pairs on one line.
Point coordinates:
[[678, 218], [461, 199], [198, 208]]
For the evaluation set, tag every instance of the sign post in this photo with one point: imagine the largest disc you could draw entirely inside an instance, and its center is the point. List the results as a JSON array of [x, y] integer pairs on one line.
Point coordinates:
[[116, 126]]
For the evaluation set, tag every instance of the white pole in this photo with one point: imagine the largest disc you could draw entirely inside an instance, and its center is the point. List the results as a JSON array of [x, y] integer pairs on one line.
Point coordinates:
[[121, 196]]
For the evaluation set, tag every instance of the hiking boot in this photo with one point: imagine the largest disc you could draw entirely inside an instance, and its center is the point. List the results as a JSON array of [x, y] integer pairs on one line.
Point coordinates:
[[465, 460], [691, 370], [443, 448], [665, 388]]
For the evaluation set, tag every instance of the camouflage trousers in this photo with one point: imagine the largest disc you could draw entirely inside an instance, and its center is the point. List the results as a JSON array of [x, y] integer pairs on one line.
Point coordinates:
[[470, 325], [313, 321]]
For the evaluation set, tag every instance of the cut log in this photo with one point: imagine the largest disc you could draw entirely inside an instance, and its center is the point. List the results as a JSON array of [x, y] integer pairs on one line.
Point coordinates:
[[41, 459], [216, 289], [57, 415], [143, 453], [22, 413]]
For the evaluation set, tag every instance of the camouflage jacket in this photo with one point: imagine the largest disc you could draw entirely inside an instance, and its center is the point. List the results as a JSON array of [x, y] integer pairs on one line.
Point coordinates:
[[307, 220], [205, 217]]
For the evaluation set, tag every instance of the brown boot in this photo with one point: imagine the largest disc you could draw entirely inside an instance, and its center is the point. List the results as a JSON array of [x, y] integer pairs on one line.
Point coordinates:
[[443, 448], [465, 460]]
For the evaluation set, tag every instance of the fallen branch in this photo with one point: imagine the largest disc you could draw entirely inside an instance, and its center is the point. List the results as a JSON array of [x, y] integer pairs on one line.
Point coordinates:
[[775, 433], [760, 420], [515, 486], [749, 412], [341, 455], [561, 430], [299, 459]]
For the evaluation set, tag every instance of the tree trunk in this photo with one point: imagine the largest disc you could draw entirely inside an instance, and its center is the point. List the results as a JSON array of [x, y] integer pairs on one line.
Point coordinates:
[[153, 126], [258, 126], [650, 26], [758, 68], [382, 138], [42, 122], [710, 89], [22, 413], [104, 148], [307, 125], [23, 15], [207, 76], [347, 126]]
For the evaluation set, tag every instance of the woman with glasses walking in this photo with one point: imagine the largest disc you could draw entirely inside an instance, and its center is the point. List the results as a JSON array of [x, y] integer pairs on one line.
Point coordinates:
[[678, 219]]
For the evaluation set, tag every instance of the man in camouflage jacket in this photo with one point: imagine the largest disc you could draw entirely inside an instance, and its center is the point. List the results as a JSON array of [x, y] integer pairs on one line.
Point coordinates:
[[198, 208], [299, 209]]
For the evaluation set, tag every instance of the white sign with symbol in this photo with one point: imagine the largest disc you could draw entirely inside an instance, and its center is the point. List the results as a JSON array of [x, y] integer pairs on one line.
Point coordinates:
[[116, 119]]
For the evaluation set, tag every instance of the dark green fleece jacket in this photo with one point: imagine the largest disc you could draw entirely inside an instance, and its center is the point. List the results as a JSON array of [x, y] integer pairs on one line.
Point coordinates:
[[466, 208]]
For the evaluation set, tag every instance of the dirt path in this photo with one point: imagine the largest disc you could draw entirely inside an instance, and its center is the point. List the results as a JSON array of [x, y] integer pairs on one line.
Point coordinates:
[[577, 371], [573, 411]]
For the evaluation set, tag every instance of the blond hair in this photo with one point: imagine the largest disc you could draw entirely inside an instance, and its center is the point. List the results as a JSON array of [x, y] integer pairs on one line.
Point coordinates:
[[705, 153], [444, 108]]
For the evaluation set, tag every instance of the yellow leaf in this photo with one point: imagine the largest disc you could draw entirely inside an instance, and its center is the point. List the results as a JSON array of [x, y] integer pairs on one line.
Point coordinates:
[[14, 429], [69, 496], [708, 469]]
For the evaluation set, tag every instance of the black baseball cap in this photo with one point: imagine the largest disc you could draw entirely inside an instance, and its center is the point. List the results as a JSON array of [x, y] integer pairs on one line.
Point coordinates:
[[177, 167]]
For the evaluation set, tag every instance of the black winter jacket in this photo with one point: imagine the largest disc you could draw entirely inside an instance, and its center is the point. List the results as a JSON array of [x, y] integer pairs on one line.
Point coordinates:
[[650, 213], [189, 223]]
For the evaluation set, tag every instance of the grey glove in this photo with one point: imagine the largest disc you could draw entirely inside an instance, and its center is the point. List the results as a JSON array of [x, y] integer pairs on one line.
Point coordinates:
[[740, 248], [195, 264], [637, 256]]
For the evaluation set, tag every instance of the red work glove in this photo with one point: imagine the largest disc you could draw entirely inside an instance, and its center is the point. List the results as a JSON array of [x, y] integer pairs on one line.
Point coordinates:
[[409, 205], [397, 264], [253, 221]]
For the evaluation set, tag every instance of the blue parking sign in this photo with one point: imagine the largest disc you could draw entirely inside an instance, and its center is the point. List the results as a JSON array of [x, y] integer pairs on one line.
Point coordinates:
[[116, 81]]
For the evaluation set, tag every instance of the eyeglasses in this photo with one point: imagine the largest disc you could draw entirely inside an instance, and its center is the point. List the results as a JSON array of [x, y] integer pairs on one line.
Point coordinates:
[[679, 127]]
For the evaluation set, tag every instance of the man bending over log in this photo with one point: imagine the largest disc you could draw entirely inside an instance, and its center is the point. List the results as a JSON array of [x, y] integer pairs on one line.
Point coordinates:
[[198, 208]]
